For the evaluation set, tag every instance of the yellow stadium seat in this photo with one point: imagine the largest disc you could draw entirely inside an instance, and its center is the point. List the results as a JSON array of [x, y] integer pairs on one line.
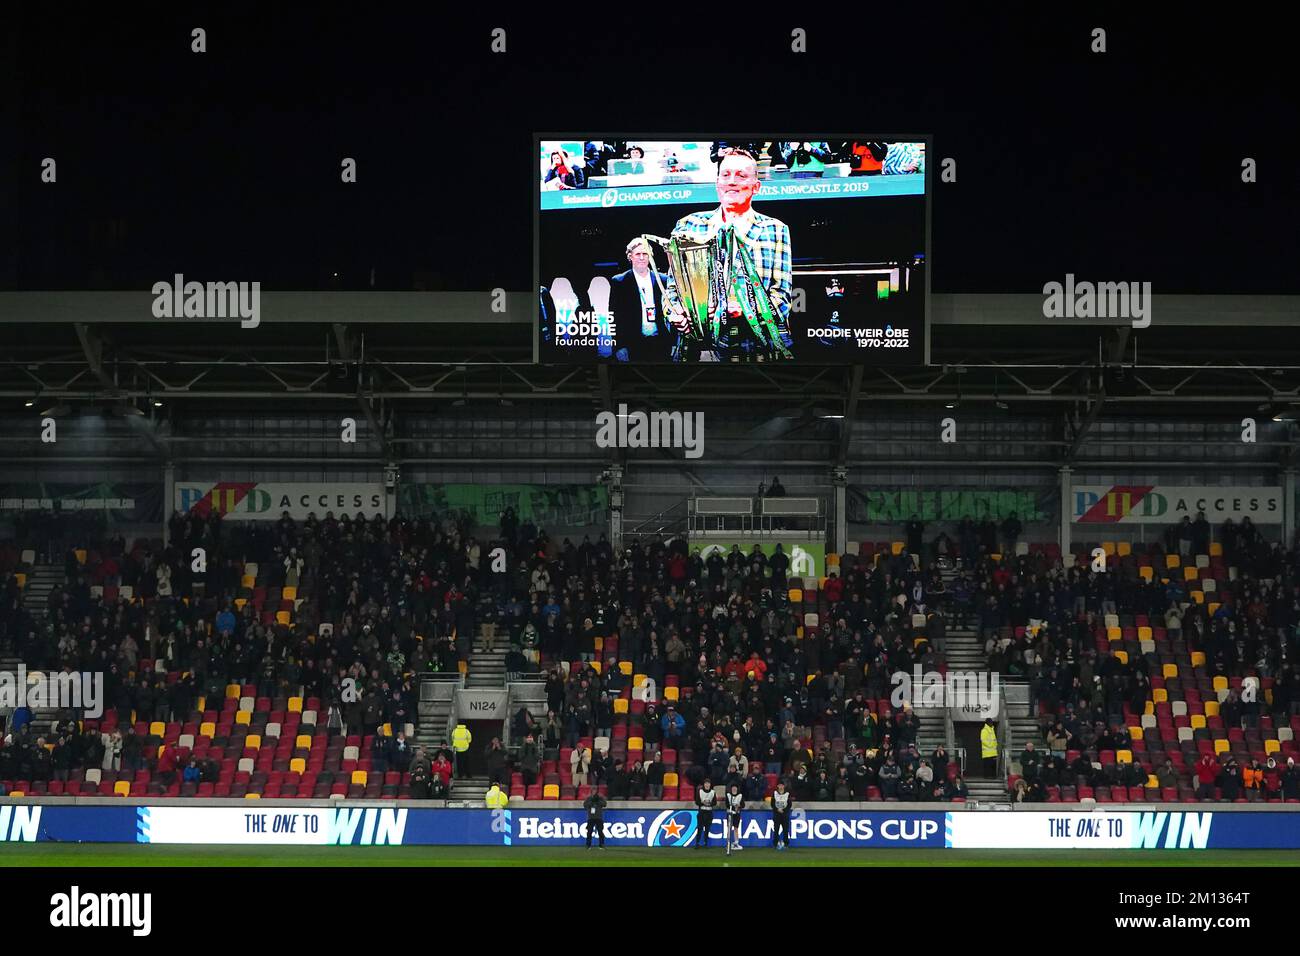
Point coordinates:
[[1150, 708], [281, 617], [599, 643], [158, 728], [996, 558], [1159, 695], [1145, 633], [1198, 721], [239, 603], [798, 632], [1216, 550], [672, 693], [1152, 782], [1136, 732], [233, 690], [1198, 597], [208, 729], [551, 791], [1114, 634], [16, 793], [202, 705], [1211, 608], [1109, 548], [596, 666], [625, 668], [796, 596], [671, 779], [832, 560], [1124, 548], [122, 789], [1171, 561], [462, 666], [1123, 656], [298, 765], [253, 740], [1198, 658], [1272, 746], [636, 743], [896, 547], [295, 705], [1222, 746], [81, 555], [244, 717], [620, 705], [1211, 708], [1190, 573], [1220, 683], [289, 593], [359, 777], [638, 680], [252, 796], [1124, 755], [247, 581], [302, 742], [1169, 670], [1147, 573], [21, 578]]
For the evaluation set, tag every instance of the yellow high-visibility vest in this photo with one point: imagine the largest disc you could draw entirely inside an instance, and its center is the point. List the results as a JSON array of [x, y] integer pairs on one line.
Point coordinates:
[[988, 742], [460, 738]]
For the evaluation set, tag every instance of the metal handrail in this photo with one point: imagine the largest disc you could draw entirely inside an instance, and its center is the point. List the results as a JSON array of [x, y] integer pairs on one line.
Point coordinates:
[[657, 517]]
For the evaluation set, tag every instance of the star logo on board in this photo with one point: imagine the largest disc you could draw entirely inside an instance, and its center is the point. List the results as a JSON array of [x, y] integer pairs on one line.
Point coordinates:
[[673, 829]]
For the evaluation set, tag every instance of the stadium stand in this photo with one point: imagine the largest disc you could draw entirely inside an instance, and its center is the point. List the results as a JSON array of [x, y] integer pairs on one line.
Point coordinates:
[[1167, 679], [660, 668]]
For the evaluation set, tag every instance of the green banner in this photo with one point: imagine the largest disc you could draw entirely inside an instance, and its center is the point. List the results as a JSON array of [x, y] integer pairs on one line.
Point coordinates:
[[563, 506], [867, 506], [807, 558]]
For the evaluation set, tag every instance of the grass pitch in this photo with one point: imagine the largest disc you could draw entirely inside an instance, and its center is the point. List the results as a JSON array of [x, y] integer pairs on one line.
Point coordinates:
[[133, 855]]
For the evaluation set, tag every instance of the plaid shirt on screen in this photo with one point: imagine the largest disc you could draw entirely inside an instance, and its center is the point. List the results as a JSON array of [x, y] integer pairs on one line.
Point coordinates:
[[768, 241]]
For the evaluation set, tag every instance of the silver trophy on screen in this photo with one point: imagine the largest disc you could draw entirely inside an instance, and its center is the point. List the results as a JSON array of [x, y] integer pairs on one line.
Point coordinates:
[[695, 268]]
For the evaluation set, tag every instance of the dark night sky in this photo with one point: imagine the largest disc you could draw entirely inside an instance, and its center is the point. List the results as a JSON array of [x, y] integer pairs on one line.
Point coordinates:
[[1117, 166]]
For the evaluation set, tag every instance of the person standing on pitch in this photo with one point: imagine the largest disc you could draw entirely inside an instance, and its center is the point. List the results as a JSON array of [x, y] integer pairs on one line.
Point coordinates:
[[735, 804], [706, 798], [782, 804], [595, 807]]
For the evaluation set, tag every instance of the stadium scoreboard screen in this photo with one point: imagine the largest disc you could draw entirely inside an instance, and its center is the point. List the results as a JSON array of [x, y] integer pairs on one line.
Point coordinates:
[[657, 252]]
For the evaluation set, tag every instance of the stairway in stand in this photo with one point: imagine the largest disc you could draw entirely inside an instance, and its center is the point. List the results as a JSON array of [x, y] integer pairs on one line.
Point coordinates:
[[963, 651], [487, 669], [41, 580], [987, 791], [933, 732]]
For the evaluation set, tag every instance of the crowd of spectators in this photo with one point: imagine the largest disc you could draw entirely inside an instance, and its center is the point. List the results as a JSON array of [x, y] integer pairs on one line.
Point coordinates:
[[759, 694]]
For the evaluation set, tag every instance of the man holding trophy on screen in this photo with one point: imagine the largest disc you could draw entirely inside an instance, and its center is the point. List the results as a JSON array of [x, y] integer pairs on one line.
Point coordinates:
[[728, 293]]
